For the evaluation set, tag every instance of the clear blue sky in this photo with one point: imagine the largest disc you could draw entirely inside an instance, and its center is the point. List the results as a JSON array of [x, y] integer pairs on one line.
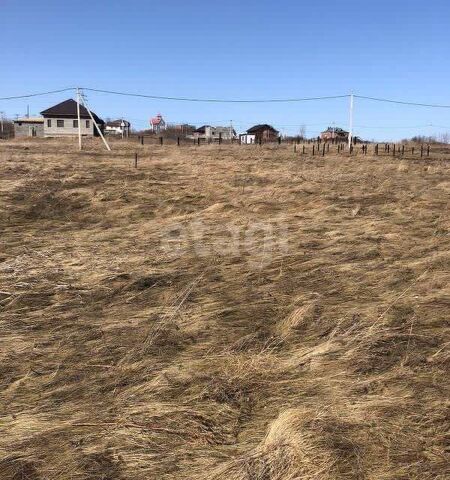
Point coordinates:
[[235, 49]]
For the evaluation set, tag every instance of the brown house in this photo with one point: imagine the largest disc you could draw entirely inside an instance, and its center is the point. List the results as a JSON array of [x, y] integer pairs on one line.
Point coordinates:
[[263, 133], [333, 133]]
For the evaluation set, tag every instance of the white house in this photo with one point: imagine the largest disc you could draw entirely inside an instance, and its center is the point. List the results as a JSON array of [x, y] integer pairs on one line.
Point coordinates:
[[61, 120], [118, 127], [157, 123]]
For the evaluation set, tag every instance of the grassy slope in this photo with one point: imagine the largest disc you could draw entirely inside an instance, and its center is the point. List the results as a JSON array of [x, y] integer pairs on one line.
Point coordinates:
[[137, 344]]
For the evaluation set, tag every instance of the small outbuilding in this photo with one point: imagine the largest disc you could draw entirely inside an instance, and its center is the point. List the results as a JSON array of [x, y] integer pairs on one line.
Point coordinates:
[[29, 127], [61, 120]]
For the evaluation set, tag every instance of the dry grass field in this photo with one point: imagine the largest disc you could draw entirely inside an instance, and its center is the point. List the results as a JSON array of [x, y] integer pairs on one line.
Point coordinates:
[[222, 312]]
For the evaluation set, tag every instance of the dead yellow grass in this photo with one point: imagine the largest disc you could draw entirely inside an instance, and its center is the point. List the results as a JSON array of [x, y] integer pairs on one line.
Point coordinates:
[[228, 313]]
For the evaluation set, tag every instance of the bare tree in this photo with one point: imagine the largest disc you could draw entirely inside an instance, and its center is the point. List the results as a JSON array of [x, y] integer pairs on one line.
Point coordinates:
[[302, 131]]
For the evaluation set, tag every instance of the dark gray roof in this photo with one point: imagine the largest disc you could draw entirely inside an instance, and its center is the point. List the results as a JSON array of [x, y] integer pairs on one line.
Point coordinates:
[[201, 129], [118, 123], [68, 109], [261, 127], [336, 130]]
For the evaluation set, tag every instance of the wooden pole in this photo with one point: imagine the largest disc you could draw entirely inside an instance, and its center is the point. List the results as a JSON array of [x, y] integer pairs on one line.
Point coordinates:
[[135, 160], [96, 126], [79, 119]]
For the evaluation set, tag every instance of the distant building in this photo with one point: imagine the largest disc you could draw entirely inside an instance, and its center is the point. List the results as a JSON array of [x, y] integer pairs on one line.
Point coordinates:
[[29, 127], [260, 133], [184, 128], [334, 133], [247, 138], [118, 127], [213, 134], [61, 120], [158, 124]]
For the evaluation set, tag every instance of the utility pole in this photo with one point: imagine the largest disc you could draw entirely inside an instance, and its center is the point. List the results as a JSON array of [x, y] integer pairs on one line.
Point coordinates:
[[350, 133], [95, 123], [79, 119]]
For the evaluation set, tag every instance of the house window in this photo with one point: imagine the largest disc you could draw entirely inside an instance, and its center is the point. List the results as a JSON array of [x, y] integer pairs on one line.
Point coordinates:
[[60, 123], [49, 123], [75, 124], [88, 123]]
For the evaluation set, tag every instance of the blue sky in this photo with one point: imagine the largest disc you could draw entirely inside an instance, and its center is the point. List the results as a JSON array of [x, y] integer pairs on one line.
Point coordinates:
[[235, 49]]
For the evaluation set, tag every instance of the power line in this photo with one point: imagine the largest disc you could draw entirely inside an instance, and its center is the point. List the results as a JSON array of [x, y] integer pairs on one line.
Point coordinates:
[[37, 94], [220, 100], [215, 100], [400, 102]]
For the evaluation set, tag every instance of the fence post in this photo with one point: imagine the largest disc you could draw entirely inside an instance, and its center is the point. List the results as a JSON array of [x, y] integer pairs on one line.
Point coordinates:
[[428, 150], [279, 140], [161, 140], [421, 150], [220, 138], [295, 148], [393, 150], [135, 160], [403, 150], [323, 150], [412, 150], [313, 150], [303, 150], [351, 148], [142, 140], [178, 141]]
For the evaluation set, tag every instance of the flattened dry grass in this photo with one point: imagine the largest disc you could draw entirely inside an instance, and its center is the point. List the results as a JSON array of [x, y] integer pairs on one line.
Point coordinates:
[[227, 313]]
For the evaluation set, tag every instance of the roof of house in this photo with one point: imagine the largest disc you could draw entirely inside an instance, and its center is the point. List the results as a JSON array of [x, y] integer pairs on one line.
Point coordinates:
[[337, 130], [261, 127], [29, 120], [68, 108], [118, 123], [157, 120], [217, 130], [201, 129]]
